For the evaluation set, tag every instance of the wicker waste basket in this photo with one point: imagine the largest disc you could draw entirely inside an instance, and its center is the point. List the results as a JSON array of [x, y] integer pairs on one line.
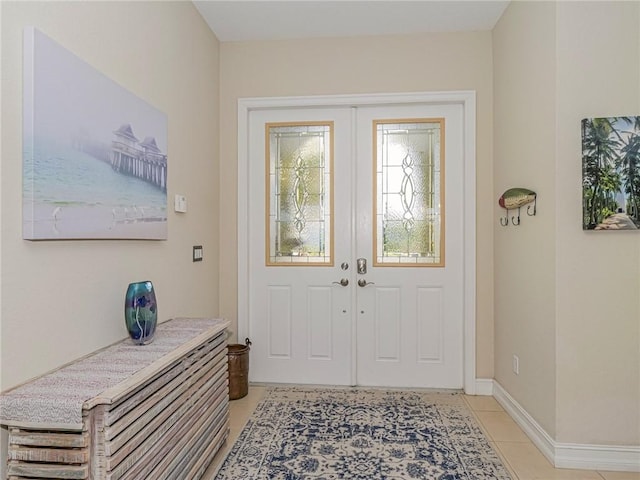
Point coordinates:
[[238, 358]]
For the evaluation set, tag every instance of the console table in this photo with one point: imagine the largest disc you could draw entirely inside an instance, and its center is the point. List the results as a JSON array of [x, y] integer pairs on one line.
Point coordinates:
[[158, 411]]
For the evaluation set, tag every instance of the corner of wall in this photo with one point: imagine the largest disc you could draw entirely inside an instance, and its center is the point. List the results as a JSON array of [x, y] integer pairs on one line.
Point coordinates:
[[524, 76], [566, 455]]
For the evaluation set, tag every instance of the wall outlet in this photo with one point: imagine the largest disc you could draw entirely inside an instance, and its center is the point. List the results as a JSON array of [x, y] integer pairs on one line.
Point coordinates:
[[516, 365]]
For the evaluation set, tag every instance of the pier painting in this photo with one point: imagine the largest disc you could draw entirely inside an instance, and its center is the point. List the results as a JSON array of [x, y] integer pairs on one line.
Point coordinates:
[[94, 154]]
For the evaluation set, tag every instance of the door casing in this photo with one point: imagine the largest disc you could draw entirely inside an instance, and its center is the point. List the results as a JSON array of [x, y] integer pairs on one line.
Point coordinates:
[[467, 100]]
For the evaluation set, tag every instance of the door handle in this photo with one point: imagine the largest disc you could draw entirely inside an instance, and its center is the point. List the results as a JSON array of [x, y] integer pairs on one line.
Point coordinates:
[[363, 283], [344, 282]]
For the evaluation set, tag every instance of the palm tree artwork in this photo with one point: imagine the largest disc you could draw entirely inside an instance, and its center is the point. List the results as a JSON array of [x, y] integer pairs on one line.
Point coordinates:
[[611, 173]]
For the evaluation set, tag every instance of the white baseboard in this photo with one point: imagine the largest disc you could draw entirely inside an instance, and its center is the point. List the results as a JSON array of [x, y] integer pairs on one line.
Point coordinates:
[[484, 386], [598, 457], [569, 455], [534, 431]]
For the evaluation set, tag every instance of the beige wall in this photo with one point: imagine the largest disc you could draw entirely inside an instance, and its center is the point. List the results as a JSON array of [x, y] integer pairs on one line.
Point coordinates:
[[598, 316], [566, 300], [460, 61], [524, 136], [63, 299]]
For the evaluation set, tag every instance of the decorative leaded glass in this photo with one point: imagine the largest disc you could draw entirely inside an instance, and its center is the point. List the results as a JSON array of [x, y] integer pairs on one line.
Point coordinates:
[[299, 161], [409, 192]]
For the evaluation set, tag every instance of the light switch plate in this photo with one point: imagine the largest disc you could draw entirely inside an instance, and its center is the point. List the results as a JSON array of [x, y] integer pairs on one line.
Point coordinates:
[[180, 203], [197, 253]]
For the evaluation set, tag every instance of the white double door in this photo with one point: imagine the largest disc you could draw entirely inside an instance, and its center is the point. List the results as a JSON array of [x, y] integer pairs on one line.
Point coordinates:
[[395, 325]]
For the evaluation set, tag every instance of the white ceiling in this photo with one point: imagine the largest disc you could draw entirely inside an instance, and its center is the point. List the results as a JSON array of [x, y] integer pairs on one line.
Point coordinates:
[[240, 20]]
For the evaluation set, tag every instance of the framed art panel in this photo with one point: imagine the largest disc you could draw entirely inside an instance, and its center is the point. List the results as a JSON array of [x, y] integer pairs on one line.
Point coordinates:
[[94, 154], [611, 173]]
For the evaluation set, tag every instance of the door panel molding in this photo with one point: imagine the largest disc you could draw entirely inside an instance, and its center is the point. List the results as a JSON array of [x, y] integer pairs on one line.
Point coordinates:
[[279, 320], [320, 303], [430, 344], [388, 328], [467, 99]]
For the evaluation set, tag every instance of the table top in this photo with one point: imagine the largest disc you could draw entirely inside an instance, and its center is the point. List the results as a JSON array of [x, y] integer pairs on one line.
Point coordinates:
[[56, 399]]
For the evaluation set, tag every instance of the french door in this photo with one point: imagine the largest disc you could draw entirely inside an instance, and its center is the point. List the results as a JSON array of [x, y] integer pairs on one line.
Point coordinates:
[[355, 245]]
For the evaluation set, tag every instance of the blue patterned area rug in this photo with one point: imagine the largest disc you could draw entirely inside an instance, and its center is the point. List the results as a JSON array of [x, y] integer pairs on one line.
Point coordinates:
[[304, 433]]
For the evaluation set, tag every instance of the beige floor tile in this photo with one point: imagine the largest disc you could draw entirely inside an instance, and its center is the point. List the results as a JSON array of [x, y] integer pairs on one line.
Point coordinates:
[[500, 427], [253, 396], [529, 464], [483, 429], [504, 461], [621, 475], [565, 474], [239, 414], [241, 409], [481, 403]]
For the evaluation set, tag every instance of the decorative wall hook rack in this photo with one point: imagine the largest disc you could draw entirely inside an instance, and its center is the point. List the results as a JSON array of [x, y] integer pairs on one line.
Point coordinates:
[[516, 198]]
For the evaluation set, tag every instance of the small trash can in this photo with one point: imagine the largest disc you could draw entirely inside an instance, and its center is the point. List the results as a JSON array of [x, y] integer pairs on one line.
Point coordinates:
[[238, 359]]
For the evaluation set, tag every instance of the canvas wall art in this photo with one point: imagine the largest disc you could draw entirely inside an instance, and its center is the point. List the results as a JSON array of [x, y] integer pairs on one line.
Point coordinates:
[[611, 173], [94, 154]]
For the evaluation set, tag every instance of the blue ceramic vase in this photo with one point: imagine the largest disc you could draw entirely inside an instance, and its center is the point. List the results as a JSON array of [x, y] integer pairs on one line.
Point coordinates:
[[141, 312]]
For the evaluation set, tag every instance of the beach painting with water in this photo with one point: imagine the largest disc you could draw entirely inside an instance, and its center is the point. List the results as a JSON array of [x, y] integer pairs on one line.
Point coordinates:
[[94, 154]]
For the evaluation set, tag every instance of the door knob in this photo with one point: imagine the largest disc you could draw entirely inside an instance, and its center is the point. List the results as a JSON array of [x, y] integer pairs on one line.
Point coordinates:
[[344, 282], [363, 283]]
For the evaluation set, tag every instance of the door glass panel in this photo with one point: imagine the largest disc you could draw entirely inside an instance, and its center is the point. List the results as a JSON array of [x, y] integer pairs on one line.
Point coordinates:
[[409, 192], [299, 193]]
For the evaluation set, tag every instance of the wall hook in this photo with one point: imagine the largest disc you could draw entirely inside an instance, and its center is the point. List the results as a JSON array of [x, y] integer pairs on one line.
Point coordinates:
[[517, 198], [513, 219]]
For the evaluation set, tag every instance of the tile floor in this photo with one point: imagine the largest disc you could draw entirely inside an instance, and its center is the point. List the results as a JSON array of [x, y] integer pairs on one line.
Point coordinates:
[[521, 458]]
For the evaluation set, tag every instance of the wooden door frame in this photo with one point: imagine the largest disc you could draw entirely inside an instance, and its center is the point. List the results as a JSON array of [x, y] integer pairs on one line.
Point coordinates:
[[467, 99]]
